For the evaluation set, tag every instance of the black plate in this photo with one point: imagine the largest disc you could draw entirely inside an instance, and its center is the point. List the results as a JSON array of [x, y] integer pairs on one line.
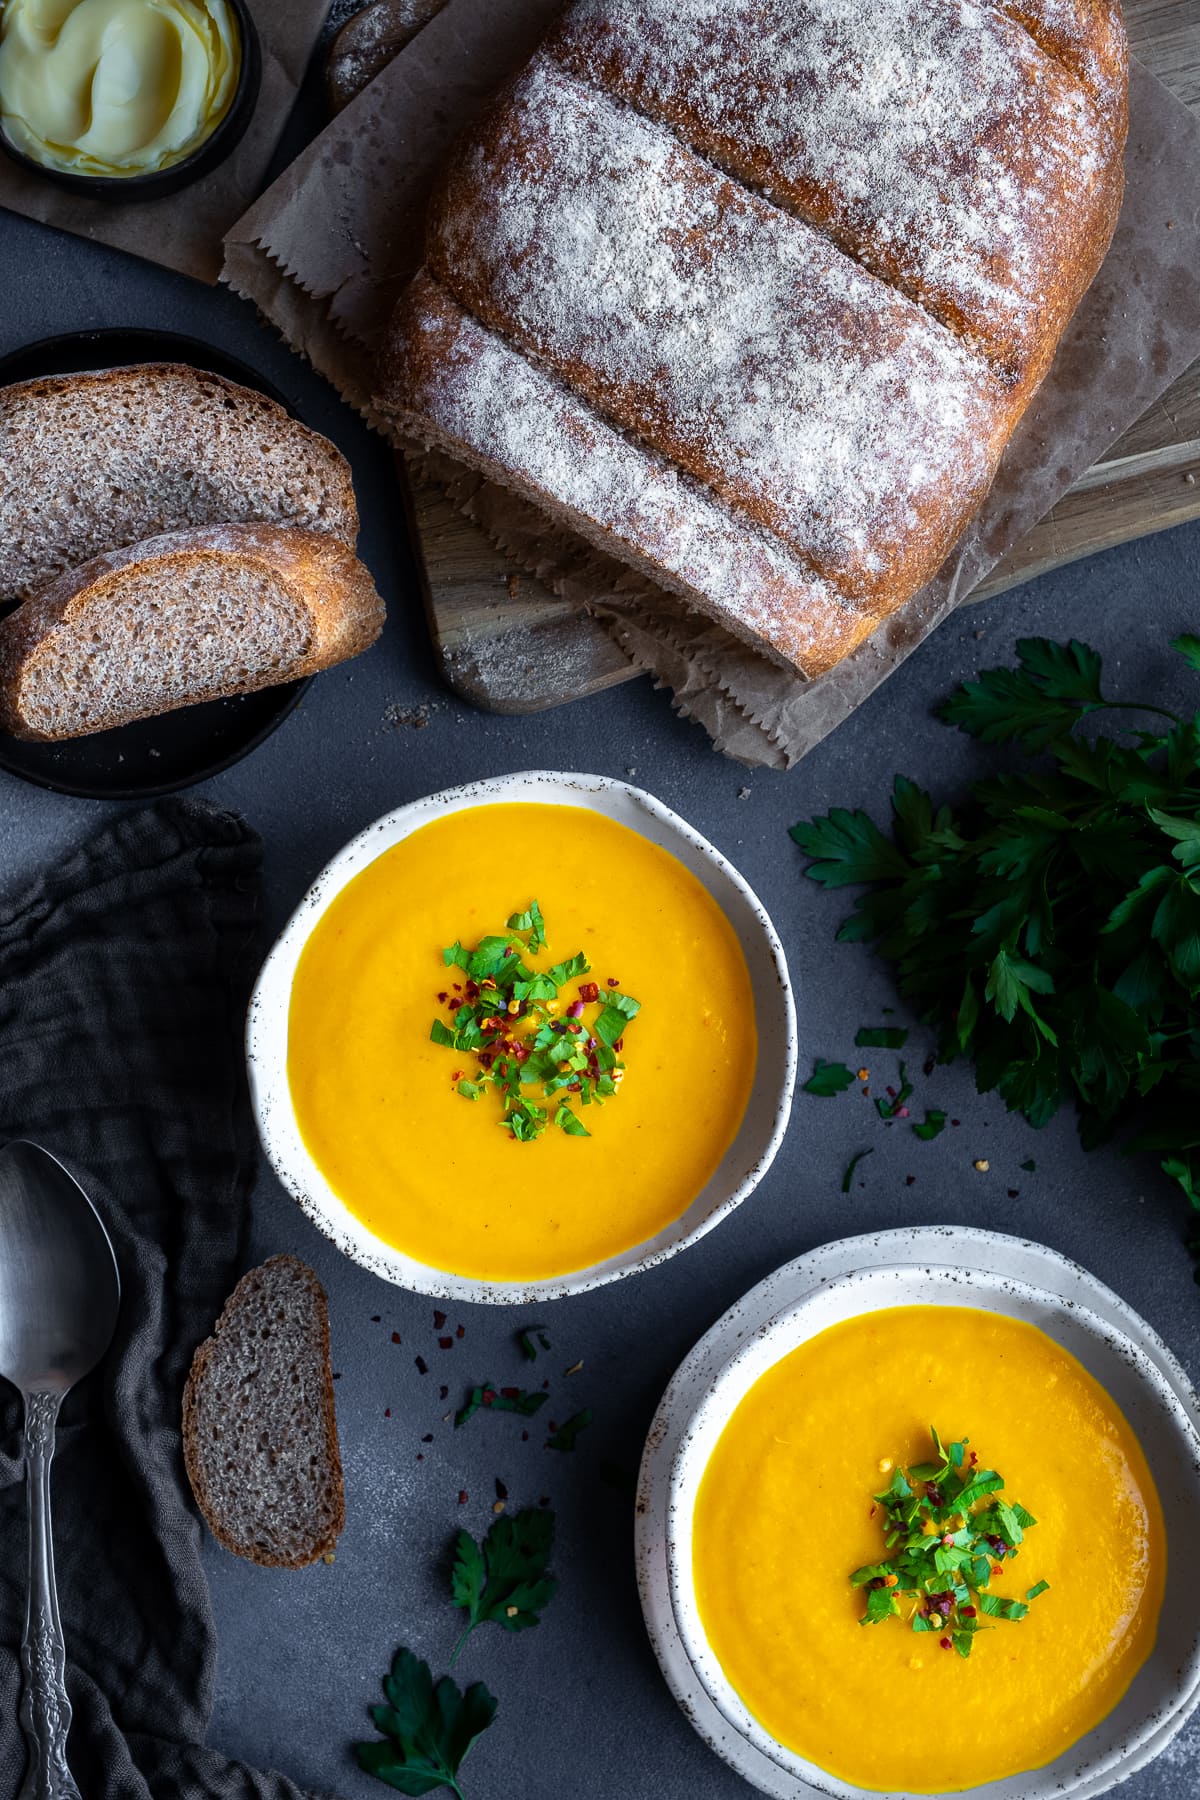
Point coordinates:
[[155, 756]]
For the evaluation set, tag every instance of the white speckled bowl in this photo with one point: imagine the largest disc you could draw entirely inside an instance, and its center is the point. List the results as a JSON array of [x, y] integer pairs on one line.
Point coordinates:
[[1166, 1689], [744, 1163]]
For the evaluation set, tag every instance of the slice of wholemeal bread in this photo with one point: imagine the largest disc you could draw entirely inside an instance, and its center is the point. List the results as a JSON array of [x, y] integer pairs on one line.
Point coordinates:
[[95, 461], [259, 1430], [195, 615]]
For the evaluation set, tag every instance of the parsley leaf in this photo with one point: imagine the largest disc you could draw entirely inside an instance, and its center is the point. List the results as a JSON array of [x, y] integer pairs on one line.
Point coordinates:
[[1049, 927], [828, 1079], [426, 1730], [503, 1581], [529, 1349]]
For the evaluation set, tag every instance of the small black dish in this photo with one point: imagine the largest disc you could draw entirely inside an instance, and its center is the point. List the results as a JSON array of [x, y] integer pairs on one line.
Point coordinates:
[[155, 184], [178, 749]]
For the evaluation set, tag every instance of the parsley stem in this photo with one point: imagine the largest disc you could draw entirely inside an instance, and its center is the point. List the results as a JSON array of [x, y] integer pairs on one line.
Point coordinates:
[[457, 1648], [1134, 706]]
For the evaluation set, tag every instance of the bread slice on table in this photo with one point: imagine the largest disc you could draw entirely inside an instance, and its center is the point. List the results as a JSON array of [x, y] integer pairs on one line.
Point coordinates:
[[94, 461], [259, 1431], [752, 294], [195, 615]]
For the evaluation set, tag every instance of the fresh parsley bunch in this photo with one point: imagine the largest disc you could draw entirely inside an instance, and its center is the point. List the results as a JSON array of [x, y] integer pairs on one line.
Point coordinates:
[[1051, 928]]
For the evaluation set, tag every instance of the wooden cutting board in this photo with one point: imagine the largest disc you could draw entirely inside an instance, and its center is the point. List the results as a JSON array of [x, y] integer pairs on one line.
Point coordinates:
[[508, 644]]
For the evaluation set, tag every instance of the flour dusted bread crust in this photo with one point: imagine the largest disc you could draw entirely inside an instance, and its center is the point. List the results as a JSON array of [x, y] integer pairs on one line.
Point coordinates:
[[94, 461], [189, 616], [753, 295]]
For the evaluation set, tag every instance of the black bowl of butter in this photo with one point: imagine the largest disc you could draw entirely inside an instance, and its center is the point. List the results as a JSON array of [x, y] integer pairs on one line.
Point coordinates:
[[126, 99]]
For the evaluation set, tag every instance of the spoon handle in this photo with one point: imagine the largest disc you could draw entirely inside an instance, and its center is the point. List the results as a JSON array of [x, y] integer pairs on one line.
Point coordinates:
[[45, 1709]]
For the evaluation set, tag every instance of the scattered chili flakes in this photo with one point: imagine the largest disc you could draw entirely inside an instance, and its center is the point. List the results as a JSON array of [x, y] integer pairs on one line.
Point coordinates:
[[501, 1490], [462, 1496], [589, 993], [910, 1181], [395, 1337], [613, 981], [460, 1332], [928, 1066], [1014, 1193], [428, 1438], [422, 1365], [376, 1318], [387, 1412], [445, 1343], [443, 1393]]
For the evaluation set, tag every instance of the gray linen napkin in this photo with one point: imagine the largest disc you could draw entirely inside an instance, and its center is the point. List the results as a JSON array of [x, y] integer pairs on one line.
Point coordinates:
[[124, 977]]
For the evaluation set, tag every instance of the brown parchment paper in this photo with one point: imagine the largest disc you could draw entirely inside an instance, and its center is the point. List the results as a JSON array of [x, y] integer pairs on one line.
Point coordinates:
[[184, 230], [327, 248]]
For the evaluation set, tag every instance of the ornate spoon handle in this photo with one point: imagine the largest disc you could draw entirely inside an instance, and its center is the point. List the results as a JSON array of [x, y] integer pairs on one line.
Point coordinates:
[[45, 1709]]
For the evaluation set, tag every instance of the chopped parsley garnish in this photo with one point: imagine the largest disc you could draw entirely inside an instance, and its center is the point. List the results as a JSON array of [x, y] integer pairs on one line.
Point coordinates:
[[526, 1339], [934, 1125], [949, 1530], [566, 1435], [490, 1398], [848, 1177], [828, 1079], [522, 1031], [880, 1037]]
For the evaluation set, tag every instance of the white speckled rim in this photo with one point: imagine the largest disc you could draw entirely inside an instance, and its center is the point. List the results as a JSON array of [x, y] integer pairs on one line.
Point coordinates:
[[844, 1280], [745, 1162]]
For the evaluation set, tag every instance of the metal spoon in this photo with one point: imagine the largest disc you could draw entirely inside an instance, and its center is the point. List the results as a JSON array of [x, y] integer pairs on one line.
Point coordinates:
[[59, 1294]]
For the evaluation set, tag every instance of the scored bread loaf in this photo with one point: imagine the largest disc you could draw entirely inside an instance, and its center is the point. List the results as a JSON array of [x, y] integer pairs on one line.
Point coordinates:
[[752, 294], [189, 616], [259, 1428], [94, 461]]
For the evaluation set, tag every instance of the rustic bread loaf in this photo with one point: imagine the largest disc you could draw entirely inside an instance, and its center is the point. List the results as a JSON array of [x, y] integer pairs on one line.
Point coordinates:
[[92, 462], [754, 295], [190, 616], [259, 1429]]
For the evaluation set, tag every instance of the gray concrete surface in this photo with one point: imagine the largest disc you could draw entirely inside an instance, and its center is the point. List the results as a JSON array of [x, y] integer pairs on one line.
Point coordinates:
[[582, 1705]]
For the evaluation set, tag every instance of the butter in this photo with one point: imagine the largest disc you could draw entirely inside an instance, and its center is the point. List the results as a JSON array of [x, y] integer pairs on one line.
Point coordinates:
[[115, 87]]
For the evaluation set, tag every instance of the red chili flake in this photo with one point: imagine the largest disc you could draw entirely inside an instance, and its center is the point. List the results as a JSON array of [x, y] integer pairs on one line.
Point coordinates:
[[948, 1540], [488, 1396], [395, 1337], [460, 1332], [973, 1458], [553, 1426], [462, 1496], [420, 1456], [387, 1412], [511, 1393], [968, 1612], [546, 1384], [442, 998], [891, 1093], [1014, 1193], [337, 1374], [545, 1500], [428, 1438], [458, 1074], [524, 1437], [927, 1067], [422, 1366], [956, 1121], [376, 1318], [909, 1180], [501, 1490], [589, 992], [445, 1343], [439, 1319], [613, 982], [443, 1392], [619, 1045], [947, 1644], [457, 986], [902, 1112]]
